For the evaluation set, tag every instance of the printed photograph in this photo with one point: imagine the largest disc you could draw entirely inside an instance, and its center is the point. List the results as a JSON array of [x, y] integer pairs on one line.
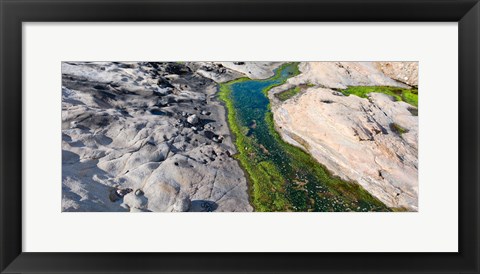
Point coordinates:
[[239, 136]]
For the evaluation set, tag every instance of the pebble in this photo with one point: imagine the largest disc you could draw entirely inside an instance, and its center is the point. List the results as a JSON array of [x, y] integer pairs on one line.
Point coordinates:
[[193, 119]]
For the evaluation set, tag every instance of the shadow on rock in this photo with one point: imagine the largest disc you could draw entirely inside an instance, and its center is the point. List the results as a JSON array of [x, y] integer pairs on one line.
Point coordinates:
[[203, 206], [82, 189]]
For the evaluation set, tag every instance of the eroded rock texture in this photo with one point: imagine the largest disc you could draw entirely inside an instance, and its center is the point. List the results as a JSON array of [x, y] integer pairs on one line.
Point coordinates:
[[147, 136], [150, 136], [356, 138]]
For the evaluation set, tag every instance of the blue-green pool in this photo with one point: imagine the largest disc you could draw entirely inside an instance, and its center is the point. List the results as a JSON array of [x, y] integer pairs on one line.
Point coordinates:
[[283, 177]]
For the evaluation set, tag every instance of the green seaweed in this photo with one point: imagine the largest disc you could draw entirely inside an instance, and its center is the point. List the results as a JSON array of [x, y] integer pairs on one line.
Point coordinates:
[[398, 129], [409, 96], [283, 177], [287, 94]]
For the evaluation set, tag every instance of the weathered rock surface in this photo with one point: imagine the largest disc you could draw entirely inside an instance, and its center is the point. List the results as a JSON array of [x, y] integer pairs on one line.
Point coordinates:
[[340, 75], [156, 130], [122, 127], [353, 137], [215, 71], [253, 70], [222, 72], [405, 72]]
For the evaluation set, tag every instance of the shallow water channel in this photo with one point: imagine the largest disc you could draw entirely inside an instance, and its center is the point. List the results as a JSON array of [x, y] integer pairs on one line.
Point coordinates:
[[284, 177]]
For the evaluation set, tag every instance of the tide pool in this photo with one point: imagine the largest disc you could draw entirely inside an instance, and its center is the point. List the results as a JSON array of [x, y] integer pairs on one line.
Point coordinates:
[[283, 177]]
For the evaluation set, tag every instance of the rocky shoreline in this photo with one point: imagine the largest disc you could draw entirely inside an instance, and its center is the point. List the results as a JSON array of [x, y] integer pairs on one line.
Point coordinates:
[[358, 139], [147, 136], [153, 136]]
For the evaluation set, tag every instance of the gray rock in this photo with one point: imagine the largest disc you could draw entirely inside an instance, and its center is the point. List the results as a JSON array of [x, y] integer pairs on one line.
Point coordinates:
[[182, 203], [134, 201], [193, 119], [118, 142]]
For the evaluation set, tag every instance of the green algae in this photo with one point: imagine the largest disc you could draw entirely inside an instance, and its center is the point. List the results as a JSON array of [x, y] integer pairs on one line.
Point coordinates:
[[283, 177]]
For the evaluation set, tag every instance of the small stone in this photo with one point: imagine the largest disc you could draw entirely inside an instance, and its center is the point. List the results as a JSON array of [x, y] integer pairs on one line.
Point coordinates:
[[193, 119], [139, 192], [182, 204], [336, 93], [114, 196]]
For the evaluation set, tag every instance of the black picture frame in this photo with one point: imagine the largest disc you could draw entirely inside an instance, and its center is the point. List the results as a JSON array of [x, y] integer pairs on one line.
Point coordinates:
[[15, 12]]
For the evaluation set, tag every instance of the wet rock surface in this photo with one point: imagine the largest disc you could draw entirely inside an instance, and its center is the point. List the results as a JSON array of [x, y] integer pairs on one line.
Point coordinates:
[[153, 128]]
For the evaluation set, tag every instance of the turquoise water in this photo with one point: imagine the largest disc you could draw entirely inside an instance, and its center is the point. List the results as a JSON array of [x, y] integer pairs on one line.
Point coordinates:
[[252, 107], [306, 185]]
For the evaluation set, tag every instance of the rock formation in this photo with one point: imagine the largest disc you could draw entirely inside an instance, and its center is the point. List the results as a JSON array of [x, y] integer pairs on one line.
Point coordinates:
[[221, 72], [355, 137], [405, 72], [153, 128], [152, 136]]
